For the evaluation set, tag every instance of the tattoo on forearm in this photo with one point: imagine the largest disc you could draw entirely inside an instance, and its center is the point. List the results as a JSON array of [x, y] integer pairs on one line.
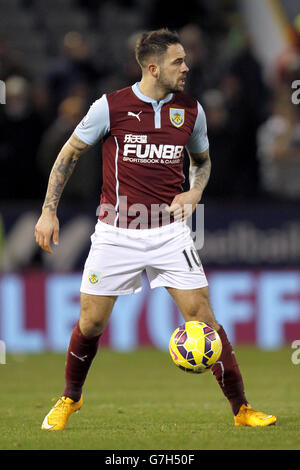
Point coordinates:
[[59, 176], [62, 170], [76, 146], [200, 172]]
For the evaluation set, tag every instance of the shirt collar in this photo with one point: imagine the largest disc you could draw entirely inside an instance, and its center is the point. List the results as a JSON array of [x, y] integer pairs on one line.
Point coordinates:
[[136, 90]]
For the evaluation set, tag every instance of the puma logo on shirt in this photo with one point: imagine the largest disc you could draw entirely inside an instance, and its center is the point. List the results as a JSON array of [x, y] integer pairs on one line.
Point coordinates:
[[135, 115]]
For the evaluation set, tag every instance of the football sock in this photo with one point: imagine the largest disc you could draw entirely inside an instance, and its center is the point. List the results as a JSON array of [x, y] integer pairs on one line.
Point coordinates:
[[81, 352], [228, 375]]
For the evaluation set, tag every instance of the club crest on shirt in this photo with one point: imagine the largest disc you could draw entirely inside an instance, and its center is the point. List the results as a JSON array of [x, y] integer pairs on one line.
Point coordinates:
[[94, 277], [177, 116]]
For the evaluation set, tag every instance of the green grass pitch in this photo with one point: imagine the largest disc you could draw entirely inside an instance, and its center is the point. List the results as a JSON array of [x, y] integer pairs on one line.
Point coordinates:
[[141, 401]]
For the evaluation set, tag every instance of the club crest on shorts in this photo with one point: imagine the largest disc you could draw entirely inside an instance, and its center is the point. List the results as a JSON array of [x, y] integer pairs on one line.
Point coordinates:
[[177, 116], [94, 277]]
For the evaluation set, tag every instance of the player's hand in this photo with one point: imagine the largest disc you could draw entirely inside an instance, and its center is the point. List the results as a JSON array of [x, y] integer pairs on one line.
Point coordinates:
[[184, 204], [46, 228]]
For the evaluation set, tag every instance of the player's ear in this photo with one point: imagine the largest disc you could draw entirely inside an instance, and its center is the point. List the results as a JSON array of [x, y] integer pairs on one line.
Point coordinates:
[[153, 70]]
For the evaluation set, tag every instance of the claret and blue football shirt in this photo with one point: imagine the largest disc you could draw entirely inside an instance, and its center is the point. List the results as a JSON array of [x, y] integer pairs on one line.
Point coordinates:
[[143, 148]]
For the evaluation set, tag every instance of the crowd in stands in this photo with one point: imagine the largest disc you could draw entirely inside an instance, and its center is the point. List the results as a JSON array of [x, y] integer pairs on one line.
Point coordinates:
[[67, 53]]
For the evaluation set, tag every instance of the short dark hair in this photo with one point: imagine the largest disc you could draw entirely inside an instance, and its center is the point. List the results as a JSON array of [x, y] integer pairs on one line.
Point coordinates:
[[154, 43]]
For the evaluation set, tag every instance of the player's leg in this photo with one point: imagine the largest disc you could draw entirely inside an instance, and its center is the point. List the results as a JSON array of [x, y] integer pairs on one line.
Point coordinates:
[[83, 346], [113, 267], [195, 305], [175, 264]]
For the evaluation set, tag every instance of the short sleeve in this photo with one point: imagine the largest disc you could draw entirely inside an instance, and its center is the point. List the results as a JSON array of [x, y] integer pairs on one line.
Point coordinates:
[[198, 141], [95, 124]]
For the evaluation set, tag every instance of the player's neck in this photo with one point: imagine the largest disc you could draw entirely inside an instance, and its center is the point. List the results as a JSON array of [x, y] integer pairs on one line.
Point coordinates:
[[152, 90]]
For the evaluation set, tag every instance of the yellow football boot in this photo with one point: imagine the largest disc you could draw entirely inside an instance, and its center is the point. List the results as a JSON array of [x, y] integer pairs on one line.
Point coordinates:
[[58, 416], [247, 416]]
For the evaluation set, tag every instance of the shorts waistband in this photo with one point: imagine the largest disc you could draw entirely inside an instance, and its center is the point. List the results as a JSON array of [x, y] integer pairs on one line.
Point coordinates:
[[172, 227]]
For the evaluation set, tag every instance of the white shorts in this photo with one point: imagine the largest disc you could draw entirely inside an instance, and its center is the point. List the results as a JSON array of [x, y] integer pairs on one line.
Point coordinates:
[[118, 257]]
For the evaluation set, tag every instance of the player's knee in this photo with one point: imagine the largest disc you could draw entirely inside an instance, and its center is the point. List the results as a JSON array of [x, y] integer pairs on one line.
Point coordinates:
[[91, 327], [199, 312], [92, 321]]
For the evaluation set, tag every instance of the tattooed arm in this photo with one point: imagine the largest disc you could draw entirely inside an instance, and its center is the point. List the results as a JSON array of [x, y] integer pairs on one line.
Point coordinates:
[[200, 166], [48, 224], [185, 203]]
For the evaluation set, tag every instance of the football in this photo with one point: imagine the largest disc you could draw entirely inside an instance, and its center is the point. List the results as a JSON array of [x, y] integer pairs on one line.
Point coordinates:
[[195, 347]]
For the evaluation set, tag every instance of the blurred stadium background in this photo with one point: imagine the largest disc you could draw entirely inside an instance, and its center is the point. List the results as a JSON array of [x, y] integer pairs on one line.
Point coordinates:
[[56, 58]]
